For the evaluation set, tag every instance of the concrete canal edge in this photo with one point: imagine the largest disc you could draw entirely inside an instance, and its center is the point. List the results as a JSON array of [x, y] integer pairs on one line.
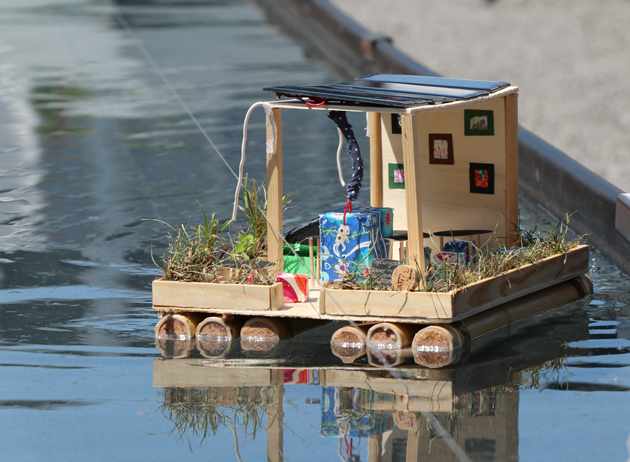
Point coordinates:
[[550, 177]]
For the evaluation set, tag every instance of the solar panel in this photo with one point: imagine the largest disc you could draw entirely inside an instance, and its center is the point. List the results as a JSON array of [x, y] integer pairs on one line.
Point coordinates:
[[392, 90], [333, 95], [459, 93], [484, 85]]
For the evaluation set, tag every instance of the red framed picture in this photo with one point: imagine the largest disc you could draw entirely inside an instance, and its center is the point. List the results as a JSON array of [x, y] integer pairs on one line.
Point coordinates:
[[441, 149]]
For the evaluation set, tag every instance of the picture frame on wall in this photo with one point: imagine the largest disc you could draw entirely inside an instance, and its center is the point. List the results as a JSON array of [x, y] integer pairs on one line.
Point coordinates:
[[481, 178], [441, 149], [478, 122], [396, 124], [396, 176]]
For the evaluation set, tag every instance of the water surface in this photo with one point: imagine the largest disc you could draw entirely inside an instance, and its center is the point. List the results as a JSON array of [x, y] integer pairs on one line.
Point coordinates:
[[92, 144]]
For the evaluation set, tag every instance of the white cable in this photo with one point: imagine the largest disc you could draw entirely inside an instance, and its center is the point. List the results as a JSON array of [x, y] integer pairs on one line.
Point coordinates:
[[339, 149], [271, 148]]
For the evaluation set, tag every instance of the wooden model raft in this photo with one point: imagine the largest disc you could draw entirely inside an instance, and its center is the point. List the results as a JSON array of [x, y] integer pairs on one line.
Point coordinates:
[[444, 156]]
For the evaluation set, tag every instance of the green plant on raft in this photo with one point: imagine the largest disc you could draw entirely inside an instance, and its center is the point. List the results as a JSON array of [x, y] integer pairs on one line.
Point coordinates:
[[195, 253], [535, 246], [201, 254], [252, 243], [488, 262]]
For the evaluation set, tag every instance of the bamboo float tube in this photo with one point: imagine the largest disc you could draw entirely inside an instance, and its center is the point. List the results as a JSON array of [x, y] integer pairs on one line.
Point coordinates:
[[348, 343], [174, 334], [263, 334], [226, 326], [440, 345], [215, 335], [178, 326], [387, 358], [214, 349], [175, 348], [390, 336]]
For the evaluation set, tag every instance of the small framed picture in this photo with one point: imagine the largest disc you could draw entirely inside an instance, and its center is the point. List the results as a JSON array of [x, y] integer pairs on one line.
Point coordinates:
[[478, 122], [396, 176], [441, 149], [396, 124], [481, 178]]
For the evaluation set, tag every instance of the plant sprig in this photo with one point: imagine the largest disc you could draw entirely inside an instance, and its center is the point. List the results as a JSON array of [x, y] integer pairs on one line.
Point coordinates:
[[203, 254]]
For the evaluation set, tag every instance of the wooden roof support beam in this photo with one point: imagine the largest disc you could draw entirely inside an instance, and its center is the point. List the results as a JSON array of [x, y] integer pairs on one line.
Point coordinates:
[[376, 160], [274, 191], [411, 161], [511, 157]]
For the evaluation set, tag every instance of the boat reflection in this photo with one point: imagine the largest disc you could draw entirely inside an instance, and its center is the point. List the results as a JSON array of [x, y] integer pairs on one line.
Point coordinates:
[[355, 403], [406, 413]]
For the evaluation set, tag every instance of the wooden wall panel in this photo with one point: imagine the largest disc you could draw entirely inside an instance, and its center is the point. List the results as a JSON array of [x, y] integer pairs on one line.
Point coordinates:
[[445, 189]]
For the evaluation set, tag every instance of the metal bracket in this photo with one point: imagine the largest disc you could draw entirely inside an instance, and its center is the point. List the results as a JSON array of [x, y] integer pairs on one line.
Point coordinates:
[[622, 215]]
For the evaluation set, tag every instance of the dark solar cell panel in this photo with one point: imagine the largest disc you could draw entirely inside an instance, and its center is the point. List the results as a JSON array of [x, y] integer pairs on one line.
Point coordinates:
[[458, 93], [393, 90], [437, 82], [333, 95]]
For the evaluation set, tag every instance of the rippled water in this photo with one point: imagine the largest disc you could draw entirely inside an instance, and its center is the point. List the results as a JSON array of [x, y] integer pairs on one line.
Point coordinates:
[[92, 144]]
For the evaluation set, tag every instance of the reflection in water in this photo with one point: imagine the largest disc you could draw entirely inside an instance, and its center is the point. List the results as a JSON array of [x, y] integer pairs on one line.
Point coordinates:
[[201, 411], [370, 413], [375, 416]]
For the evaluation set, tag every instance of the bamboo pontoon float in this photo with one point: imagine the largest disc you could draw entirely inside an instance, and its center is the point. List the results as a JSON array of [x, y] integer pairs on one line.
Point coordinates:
[[444, 157]]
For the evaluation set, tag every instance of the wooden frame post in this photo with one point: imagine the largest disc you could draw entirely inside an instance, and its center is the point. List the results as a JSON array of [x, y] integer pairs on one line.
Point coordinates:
[[511, 167], [375, 448], [376, 160], [274, 191], [411, 161], [413, 441], [275, 419]]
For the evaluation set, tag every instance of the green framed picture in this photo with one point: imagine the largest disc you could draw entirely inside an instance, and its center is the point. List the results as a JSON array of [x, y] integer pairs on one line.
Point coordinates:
[[396, 176], [478, 122]]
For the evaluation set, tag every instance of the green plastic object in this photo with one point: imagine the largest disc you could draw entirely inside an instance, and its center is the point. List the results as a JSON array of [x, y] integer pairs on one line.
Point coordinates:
[[292, 264]]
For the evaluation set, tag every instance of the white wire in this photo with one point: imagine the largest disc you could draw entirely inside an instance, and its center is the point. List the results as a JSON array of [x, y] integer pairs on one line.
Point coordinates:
[[271, 149]]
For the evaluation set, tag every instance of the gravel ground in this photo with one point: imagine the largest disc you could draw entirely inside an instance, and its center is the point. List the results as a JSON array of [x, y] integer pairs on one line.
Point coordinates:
[[568, 57]]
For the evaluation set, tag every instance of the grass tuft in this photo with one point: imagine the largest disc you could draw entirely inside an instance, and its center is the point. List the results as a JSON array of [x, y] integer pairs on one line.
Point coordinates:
[[534, 246], [203, 253]]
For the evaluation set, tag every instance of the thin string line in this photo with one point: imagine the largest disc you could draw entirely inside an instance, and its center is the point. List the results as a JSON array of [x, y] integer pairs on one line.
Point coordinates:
[[158, 71]]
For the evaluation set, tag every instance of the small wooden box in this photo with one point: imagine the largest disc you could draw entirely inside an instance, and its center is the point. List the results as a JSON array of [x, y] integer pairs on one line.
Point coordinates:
[[199, 296], [460, 303]]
